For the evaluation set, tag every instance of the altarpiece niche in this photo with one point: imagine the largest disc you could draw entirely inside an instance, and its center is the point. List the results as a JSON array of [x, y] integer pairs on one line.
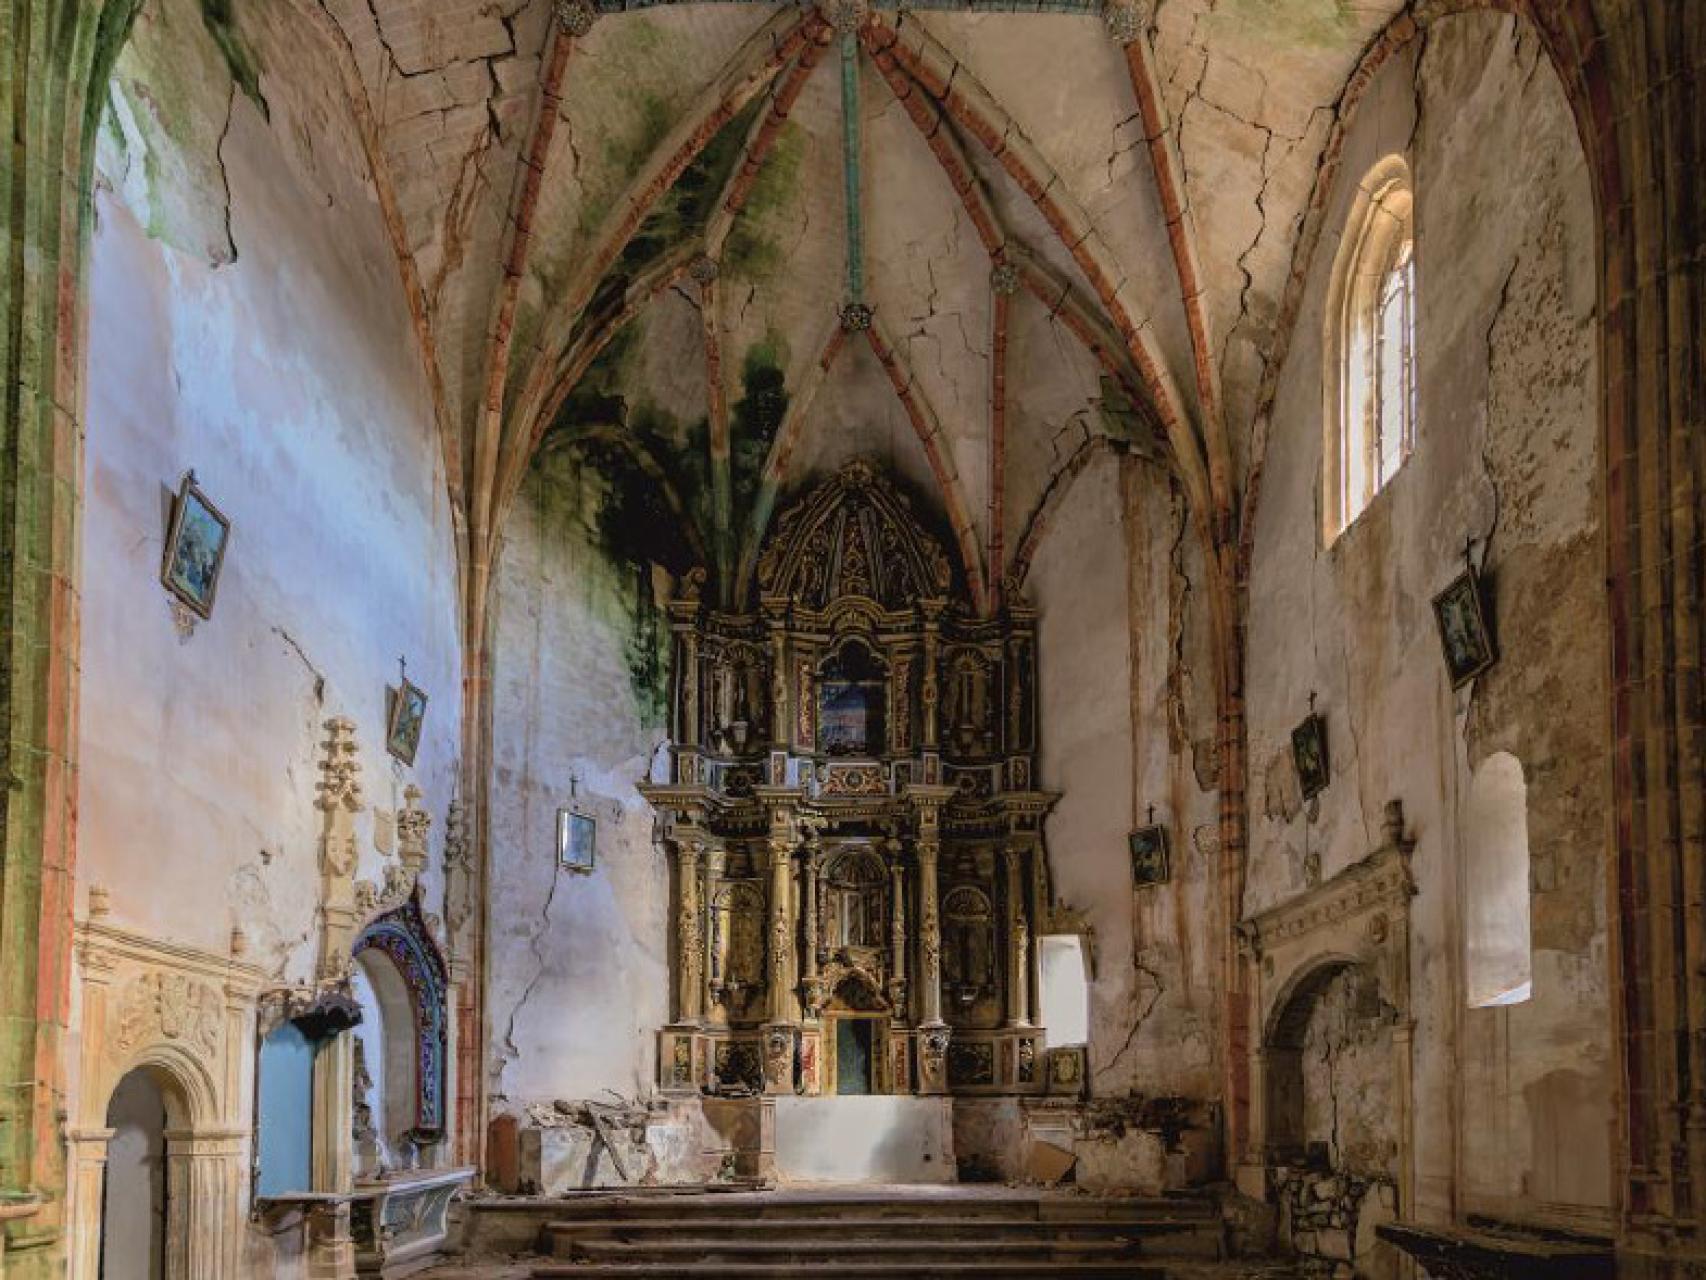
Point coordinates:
[[853, 829]]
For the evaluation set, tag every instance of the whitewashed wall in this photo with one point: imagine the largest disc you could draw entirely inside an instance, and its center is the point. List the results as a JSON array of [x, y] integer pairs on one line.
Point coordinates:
[[579, 963], [246, 320], [1514, 1104]]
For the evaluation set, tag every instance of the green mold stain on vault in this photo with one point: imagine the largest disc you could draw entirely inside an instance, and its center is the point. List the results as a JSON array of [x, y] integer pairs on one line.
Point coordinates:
[[753, 251]]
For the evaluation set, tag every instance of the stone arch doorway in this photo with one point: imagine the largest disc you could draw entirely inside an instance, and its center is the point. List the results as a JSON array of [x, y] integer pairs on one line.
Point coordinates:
[[151, 1219], [134, 1203], [165, 1057], [1334, 1007]]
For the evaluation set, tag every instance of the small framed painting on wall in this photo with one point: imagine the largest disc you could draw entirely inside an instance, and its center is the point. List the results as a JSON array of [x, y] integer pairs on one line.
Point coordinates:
[[1309, 754], [1463, 631], [577, 840], [407, 711], [1149, 862], [195, 548]]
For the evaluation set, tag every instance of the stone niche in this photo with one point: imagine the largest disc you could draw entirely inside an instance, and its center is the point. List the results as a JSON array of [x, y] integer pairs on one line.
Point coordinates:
[[1332, 1127], [185, 1018]]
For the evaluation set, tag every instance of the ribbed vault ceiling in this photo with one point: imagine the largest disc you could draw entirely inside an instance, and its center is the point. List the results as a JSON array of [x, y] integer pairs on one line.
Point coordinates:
[[752, 240]]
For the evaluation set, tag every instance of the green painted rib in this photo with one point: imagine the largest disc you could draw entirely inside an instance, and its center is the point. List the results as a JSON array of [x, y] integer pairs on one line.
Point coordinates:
[[850, 165]]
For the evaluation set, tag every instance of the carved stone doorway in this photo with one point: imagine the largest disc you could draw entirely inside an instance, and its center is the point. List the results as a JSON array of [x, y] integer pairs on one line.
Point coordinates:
[[855, 1052], [134, 1208]]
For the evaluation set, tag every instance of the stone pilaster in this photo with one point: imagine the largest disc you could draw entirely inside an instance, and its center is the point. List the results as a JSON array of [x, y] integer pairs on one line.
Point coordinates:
[[205, 1176], [87, 1149]]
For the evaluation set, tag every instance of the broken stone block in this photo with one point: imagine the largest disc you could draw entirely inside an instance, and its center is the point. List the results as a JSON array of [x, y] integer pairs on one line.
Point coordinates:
[[1048, 1164]]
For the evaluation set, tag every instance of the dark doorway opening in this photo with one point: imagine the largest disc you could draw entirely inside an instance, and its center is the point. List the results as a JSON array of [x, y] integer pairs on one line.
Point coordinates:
[[853, 1055]]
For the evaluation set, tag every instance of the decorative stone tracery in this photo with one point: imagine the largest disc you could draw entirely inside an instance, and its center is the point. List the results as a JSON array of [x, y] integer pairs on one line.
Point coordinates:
[[186, 1018]]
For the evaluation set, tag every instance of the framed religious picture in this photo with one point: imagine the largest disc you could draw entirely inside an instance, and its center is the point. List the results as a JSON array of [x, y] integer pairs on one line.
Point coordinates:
[[577, 840], [195, 548], [1463, 630], [405, 713], [1309, 754], [1149, 863]]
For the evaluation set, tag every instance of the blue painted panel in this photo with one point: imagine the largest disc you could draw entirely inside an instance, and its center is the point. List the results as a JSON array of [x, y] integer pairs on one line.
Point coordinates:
[[285, 1136]]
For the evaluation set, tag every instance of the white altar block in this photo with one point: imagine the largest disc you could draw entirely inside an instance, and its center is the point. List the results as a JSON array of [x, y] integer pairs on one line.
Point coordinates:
[[872, 1139]]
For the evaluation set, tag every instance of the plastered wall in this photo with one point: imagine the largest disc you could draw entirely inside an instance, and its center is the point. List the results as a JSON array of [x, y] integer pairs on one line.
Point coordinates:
[[1513, 1104], [1120, 714], [579, 963], [246, 322]]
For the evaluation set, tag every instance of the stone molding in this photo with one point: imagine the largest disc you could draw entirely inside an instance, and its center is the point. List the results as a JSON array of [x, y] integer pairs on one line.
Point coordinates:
[[1358, 918]]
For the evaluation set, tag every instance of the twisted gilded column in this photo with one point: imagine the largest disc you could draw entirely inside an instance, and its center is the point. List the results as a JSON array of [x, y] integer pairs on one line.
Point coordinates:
[[715, 860], [689, 933], [897, 929], [811, 986], [933, 1032], [781, 932]]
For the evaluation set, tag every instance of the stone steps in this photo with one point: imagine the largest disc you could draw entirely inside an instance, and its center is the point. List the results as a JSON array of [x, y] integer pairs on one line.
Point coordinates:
[[927, 1228], [900, 1233], [835, 1269]]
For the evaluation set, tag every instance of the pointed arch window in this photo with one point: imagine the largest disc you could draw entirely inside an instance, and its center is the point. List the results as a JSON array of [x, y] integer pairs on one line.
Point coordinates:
[[1371, 347]]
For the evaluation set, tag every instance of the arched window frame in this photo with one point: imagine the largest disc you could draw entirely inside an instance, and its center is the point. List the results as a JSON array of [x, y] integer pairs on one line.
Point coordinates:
[[1370, 408]]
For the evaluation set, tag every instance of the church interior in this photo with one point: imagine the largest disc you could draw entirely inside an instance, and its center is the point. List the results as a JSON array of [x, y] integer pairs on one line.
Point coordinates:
[[852, 637]]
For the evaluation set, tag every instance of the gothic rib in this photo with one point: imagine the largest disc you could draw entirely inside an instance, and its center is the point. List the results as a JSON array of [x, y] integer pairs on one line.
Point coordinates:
[[664, 273], [850, 166], [1054, 494], [390, 211], [717, 411], [956, 90], [1167, 168], [1059, 295], [524, 203], [749, 72], [766, 131], [940, 452]]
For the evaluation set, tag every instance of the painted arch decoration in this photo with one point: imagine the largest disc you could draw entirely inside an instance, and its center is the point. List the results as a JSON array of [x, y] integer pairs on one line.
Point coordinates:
[[402, 934]]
